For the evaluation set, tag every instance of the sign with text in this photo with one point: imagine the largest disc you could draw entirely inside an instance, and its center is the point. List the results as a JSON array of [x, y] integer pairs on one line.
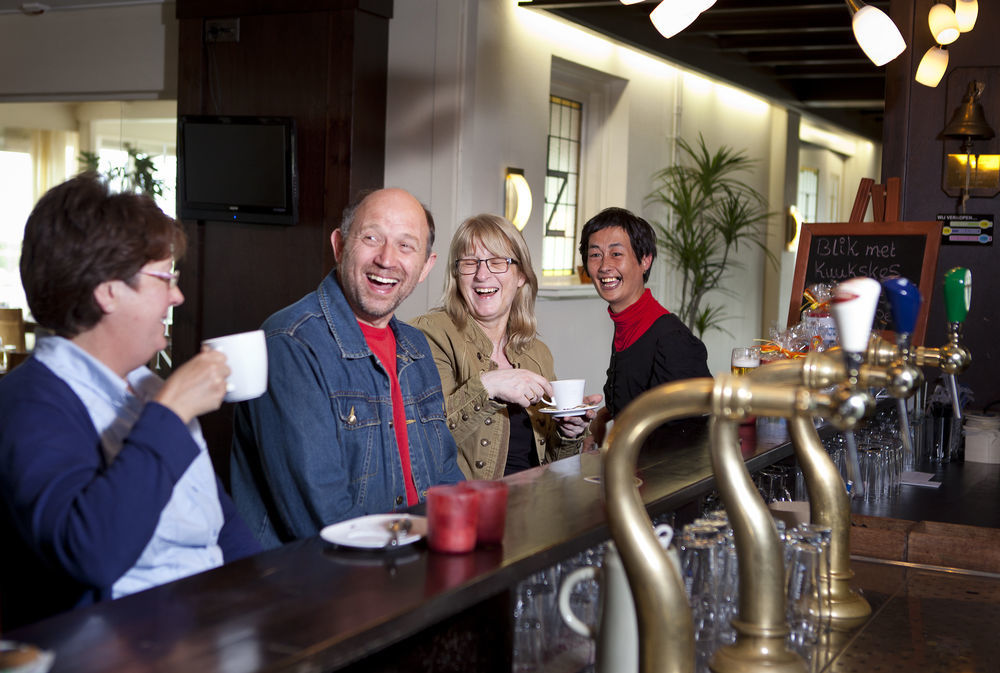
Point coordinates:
[[831, 253], [966, 229]]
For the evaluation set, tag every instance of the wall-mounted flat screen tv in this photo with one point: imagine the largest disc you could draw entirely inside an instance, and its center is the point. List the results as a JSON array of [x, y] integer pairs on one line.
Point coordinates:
[[237, 169]]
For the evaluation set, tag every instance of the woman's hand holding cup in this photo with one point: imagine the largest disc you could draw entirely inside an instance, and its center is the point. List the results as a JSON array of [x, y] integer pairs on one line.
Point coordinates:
[[197, 386], [517, 386], [573, 426]]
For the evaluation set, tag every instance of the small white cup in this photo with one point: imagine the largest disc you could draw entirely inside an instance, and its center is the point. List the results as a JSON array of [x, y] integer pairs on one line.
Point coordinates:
[[566, 394], [246, 355]]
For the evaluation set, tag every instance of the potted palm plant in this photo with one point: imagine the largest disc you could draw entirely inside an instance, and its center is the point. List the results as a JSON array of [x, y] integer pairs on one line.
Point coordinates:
[[711, 213]]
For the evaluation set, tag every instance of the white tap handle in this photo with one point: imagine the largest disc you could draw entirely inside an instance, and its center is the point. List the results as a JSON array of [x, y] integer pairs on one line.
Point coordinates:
[[853, 309]]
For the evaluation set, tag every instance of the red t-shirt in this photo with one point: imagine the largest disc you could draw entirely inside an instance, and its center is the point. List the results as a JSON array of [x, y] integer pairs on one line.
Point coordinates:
[[383, 344]]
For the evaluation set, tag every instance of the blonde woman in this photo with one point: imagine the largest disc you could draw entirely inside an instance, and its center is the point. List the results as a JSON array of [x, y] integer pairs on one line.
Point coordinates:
[[494, 368]]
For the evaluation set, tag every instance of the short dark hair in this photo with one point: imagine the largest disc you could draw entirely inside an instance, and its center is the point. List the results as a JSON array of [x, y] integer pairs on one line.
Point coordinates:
[[352, 209], [80, 235], [640, 233]]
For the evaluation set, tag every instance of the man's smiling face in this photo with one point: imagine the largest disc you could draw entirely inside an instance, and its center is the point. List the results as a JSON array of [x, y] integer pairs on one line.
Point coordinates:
[[384, 255], [614, 268]]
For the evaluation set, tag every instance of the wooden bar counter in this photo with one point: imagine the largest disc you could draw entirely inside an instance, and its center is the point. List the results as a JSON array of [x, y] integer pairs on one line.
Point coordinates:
[[310, 606]]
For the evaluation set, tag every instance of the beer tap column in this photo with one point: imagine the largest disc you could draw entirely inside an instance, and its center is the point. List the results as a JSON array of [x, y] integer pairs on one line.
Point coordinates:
[[853, 309], [904, 299], [955, 359]]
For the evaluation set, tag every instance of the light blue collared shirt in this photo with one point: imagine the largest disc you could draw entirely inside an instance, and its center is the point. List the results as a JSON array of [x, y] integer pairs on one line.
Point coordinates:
[[185, 541]]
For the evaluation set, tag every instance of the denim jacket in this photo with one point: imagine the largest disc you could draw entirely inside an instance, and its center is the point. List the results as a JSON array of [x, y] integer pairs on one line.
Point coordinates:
[[319, 446]]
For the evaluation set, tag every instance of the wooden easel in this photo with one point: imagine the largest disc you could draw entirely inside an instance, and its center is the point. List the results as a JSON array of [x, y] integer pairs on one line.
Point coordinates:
[[884, 198]]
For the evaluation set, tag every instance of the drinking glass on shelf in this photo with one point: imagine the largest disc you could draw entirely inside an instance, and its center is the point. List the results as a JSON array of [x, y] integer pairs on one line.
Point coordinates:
[[745, 359]]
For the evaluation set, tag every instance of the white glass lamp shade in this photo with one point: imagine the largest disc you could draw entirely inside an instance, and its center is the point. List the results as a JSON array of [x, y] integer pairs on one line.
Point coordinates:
[[877, 35], [672, 16], [629, 2], [944, 25], [966, 12], [932, 66], [517, 198]]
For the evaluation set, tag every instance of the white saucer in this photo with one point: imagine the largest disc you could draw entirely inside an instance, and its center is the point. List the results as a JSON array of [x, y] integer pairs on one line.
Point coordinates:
[[372, 531], [574, 411]]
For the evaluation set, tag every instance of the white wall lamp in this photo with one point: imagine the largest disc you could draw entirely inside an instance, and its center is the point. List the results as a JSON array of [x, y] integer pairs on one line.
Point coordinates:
[[875, 32], [944, 25], [517, 198], [966, 12], [932, 66], [672, 16]]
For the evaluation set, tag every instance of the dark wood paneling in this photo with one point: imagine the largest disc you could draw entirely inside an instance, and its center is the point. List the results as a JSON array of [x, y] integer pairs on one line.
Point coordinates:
[[915, 115], [324, 64]]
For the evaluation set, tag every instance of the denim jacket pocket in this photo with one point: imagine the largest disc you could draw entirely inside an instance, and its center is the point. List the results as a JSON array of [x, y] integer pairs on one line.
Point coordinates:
[[359, 421], [432, 421]]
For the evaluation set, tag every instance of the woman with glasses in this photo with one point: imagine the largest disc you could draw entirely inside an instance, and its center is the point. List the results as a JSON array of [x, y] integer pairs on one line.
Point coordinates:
[[106, 487], [494, 369]]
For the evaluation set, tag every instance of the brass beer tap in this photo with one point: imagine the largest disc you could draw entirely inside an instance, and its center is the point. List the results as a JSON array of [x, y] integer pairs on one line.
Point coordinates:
[[952, 358], [666, 632]]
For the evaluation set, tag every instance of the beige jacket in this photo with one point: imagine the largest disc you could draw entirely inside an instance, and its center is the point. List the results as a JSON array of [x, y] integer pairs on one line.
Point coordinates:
[[480, 425]]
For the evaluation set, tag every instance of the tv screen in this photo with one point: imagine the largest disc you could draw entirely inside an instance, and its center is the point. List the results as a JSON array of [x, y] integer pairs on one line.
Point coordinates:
[[239, 169]]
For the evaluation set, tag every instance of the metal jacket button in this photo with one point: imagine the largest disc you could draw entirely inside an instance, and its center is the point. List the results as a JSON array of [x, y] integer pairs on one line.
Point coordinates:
[[484, 442], [465, 417], [480, 464], [451, 425], [488, 421], [399, 500], [476, 407]]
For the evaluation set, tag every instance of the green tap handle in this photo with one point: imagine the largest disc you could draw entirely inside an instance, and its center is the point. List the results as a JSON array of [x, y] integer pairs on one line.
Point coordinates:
[[957, 294]]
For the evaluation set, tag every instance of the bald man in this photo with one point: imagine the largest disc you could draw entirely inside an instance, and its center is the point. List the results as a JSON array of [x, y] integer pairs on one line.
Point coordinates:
[[353, 421]]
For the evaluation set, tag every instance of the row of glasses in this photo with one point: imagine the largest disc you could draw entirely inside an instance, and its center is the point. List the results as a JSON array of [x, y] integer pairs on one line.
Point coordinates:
[[776, 483], [540, 634]]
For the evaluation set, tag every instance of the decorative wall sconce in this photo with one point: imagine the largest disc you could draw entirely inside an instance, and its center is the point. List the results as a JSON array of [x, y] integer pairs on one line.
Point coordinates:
[[932, 66], [517, 198], [944, 25], [967, 173], [672, 16], [875, 32], [966, 12]]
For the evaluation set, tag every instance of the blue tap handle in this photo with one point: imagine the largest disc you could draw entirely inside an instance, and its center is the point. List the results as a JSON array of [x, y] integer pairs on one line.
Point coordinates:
[[904, 300]]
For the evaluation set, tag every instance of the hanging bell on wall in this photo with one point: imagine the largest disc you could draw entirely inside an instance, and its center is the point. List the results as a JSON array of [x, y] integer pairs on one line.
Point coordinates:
[[969, 120]]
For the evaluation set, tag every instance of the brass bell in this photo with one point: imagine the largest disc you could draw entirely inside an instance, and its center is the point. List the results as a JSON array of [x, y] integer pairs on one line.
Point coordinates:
[[969, 120]]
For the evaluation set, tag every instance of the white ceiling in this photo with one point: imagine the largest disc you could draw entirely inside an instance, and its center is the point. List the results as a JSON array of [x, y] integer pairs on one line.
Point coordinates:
[[42, 6]]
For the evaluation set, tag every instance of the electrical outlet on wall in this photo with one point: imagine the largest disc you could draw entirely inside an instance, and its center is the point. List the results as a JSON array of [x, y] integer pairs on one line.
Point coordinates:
[[222, 30]]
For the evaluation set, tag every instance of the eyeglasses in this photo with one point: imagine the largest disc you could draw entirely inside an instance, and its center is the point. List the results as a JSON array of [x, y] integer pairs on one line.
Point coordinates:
[[469, 265], [171, 277]]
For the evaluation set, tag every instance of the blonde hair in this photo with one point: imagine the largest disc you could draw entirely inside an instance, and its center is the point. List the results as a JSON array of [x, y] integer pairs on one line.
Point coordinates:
[[502, 238]]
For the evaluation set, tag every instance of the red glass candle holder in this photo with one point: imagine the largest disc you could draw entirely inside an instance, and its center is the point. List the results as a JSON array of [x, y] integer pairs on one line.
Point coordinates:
[[492, 510], [452, 516]]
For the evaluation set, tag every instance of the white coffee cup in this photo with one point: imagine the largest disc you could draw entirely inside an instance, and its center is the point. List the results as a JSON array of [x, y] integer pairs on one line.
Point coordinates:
[[566, 394], [246, 355]]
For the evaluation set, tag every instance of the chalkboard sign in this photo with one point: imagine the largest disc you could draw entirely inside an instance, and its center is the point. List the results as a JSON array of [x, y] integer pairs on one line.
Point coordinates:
[[831, 253]]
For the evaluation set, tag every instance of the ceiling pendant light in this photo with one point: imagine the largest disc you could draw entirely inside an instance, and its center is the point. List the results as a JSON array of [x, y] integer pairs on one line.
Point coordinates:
[[672, 16], [932, 66], [875, 32], [629, 2], [966, 12], [944, 25]]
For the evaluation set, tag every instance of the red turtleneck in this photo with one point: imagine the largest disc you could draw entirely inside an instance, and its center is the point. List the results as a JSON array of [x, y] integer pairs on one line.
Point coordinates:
[[633, 322]]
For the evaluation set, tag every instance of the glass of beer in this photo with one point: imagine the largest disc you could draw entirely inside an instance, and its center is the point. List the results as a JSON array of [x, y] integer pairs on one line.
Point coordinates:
[[745, 360]]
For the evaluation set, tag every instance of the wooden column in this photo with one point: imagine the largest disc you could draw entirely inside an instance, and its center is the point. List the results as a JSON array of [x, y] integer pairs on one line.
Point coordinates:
[[324, 63]]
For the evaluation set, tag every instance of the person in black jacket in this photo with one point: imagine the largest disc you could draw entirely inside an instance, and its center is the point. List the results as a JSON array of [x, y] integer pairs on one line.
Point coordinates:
[[651, 345]]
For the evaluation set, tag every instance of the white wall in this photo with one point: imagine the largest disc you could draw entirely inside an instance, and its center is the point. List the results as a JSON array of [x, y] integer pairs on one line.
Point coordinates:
[[468, 96], [97, 54]]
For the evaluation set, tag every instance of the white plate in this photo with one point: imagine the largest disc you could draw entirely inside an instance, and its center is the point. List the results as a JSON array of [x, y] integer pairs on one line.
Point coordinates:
[[574, 411], [372, 531]]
